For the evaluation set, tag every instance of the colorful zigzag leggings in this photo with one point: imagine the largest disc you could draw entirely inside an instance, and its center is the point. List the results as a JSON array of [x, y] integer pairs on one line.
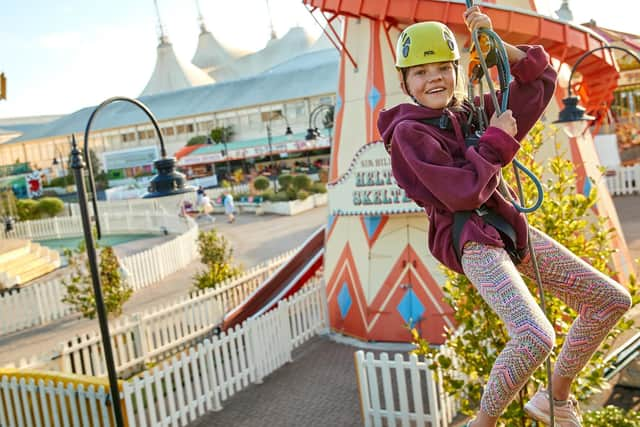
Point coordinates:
[[598, 300]]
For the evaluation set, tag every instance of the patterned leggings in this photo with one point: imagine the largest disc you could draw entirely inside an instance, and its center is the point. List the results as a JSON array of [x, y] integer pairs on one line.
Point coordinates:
[[598, 300]]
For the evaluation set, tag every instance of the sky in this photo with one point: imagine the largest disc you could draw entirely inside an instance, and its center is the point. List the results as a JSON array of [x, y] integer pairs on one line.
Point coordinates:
[[60, 56]]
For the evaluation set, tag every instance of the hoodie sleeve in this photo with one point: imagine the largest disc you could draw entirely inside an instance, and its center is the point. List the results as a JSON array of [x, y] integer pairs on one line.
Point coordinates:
[[426, 170], [531, 90]]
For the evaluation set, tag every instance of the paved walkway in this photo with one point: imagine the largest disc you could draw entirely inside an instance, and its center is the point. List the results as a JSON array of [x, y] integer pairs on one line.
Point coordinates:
[[317, 389]]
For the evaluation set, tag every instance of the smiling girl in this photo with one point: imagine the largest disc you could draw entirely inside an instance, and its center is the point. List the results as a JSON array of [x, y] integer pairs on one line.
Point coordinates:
[[473, 227]]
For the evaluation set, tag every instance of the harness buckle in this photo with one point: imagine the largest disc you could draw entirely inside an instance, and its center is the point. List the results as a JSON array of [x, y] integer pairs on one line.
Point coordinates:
[[481, 211]]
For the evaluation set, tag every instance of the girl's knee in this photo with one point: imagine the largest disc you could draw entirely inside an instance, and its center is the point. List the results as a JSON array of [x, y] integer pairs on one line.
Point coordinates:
[[539, 338], [620, 301]]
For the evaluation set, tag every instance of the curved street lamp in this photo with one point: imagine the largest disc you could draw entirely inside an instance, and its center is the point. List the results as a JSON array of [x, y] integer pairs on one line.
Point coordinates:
[[167, 182], [312, 130], [572, 116], [273, 115]]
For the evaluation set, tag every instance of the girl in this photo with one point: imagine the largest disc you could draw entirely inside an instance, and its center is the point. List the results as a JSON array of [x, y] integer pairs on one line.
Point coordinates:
[[475, 230]]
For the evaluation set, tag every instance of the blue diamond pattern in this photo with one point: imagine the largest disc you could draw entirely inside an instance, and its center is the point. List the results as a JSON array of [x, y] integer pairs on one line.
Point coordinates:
[[371, 224], [410, 308], [338, 104], [586, 190], [374, 97], [344, 300]]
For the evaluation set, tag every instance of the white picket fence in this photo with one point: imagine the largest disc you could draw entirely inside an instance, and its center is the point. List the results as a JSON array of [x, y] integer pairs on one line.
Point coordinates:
[[157, 333], [43, 403], [623, 180], [41, 302], [401, 392], [199, 380], [180, 390]]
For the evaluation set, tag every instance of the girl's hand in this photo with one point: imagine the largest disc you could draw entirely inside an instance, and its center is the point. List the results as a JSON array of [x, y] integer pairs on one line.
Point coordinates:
[[505, 121], [475, 19]]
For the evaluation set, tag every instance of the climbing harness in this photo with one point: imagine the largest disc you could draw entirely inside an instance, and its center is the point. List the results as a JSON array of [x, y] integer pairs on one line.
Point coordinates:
[[488, 50]]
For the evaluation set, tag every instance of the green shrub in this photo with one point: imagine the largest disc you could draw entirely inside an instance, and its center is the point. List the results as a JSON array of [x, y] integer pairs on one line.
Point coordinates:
[[267, 195], [285, 182], [79, 288], [280, 196], [302, 195], [197, 140], [61, 181], [261, 183], [216, 254], [49, 207], [318, 187], [27, 209], [611, 416], [292, 193], [302, 182]]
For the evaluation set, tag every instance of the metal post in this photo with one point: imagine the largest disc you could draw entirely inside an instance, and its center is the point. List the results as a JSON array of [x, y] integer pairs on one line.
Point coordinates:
[[275, 175], [77, 165]]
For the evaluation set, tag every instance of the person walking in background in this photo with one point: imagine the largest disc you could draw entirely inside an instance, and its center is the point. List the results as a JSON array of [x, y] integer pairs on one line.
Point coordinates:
[[204, 206], [428, 158], [229, 209]]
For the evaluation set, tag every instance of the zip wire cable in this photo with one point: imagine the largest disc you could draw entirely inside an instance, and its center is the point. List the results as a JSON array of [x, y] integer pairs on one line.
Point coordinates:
[[504, 73]]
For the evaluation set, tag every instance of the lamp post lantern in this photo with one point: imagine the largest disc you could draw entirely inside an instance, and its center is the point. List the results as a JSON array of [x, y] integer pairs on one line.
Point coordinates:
[[288, 133], [167, 182], [312, 130], [572, 116]]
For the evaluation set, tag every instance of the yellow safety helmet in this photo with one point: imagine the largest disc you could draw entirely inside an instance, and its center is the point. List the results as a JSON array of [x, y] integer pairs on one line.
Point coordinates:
[[425, 43]]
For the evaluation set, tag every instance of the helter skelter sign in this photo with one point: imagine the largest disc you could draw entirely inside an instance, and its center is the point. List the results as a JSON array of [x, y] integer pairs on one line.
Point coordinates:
[[368, 186]]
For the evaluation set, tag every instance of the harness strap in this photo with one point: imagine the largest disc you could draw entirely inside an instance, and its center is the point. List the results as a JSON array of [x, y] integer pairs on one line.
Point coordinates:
[[495, 220]]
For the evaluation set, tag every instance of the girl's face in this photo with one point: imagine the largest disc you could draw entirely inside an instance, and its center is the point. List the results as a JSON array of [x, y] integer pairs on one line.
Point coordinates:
[[432, 84]]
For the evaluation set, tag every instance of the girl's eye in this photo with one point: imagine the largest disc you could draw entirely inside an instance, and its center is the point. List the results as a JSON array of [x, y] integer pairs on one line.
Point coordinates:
[[444, 68]]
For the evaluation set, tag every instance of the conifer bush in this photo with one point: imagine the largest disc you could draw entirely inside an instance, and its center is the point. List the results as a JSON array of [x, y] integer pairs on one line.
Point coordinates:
[[481, 335], [217, 255], [79, 288]]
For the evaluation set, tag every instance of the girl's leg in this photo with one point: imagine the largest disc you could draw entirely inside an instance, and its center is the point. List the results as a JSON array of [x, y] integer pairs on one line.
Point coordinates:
[[598, 300], [491, 271]]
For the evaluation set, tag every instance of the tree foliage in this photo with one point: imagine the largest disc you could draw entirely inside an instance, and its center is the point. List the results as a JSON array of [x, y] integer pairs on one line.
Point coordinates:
[[79, 288], [217, 255], [222, 134], [564, 215], [197, 140]]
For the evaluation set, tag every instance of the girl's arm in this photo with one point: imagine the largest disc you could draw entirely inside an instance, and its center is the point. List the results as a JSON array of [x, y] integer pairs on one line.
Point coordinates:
[[428, 174]]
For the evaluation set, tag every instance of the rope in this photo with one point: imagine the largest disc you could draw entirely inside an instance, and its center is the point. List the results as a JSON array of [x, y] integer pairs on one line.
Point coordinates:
[[504, 74]]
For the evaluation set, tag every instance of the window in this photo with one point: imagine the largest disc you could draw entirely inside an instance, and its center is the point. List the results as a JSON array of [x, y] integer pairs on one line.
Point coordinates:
[[168, 131], [128, 137]]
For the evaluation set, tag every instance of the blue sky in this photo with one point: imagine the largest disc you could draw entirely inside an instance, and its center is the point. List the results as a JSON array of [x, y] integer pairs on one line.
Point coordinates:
[[60, 56]]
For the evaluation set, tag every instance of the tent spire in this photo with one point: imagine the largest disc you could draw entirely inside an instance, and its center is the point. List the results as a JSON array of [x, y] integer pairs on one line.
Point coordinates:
[[273, 31], [163, 37], [203, 27]]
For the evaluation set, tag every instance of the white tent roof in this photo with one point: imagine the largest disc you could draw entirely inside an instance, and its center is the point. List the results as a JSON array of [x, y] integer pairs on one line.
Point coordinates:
[[171, 73], [295, 42]]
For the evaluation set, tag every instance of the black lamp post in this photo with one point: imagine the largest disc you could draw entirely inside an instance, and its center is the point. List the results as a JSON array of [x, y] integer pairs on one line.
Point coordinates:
[[312, 131], [572, 116], [288, 132], [167, 182]]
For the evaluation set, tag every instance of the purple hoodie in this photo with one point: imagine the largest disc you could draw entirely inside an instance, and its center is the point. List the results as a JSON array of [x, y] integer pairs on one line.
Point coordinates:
[[439, 173]]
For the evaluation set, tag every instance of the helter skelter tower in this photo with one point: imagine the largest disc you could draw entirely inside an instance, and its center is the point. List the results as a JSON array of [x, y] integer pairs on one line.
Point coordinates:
[[379, 273]]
